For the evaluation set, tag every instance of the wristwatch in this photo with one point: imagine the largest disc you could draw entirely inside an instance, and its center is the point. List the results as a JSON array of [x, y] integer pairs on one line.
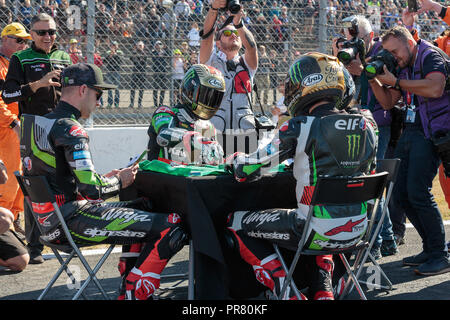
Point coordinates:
[[397, 84], [240, 25], [13, 124]]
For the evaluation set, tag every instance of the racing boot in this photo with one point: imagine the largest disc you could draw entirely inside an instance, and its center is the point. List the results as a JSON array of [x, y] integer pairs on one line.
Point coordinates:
[[271, 274], [141, 286], [127, 261], [321, 286]]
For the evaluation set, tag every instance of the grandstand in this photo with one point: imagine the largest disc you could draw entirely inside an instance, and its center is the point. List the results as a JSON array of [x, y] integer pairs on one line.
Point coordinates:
[[285, 28]]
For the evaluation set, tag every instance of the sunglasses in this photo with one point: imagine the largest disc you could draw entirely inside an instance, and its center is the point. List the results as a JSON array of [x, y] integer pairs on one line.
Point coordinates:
[[51, 32], [227, 33], [18, 40], [98, 92]]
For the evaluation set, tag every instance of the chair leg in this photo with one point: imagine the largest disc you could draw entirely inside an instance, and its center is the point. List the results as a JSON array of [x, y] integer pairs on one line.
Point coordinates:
[[63, 267], [352, 277], [285, 268], [92, 272], [191, 272]]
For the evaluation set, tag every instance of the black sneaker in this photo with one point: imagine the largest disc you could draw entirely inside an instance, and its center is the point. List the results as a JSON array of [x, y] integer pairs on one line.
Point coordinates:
[[399, 240], [36, 257], [434, 267], [376, 253], [416, 260], [388, 248]]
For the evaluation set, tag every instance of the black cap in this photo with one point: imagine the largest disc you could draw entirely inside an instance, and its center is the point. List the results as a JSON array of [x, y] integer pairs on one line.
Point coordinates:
[[84, 73]]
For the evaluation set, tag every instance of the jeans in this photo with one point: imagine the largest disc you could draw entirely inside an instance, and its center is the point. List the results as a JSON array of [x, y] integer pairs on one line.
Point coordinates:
[[412, 190], [386, 233], [114, 78]]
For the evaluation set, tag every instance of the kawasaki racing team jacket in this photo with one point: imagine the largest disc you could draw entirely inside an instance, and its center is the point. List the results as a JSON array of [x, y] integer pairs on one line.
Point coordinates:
[[326, 143], [57, 146], [28, 66]]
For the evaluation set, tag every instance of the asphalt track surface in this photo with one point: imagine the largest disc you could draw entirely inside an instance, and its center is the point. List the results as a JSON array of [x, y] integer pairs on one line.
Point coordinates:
[[28, 284]]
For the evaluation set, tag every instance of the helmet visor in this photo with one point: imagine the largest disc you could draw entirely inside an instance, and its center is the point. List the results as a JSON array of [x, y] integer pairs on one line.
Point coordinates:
[[207, 102]]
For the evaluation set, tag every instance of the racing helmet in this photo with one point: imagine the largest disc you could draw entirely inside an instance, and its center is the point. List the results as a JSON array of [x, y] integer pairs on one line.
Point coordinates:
[[202, 90], [349, 92], [313, 77]]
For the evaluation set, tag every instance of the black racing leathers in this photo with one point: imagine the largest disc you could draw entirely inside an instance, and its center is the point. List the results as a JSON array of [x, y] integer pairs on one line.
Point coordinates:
[[176, 135], [57, 146], [327, 142]]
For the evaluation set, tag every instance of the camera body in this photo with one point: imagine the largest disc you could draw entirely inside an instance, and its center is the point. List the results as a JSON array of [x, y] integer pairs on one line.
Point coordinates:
[[442, 143], [375, 66], [350, 48], [233, 6]]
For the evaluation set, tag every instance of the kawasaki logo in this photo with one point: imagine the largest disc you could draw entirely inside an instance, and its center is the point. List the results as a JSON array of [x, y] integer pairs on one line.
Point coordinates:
[[353, 144], [261, 218]]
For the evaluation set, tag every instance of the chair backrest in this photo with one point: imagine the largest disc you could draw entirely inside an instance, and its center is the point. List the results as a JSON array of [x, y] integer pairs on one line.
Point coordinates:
[[40, 200], [348, 190], [389, 165], [35, 187]]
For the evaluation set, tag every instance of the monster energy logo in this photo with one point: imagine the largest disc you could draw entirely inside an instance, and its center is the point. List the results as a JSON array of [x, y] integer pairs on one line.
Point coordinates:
[[189, 76], [293, 73], [353, 143]]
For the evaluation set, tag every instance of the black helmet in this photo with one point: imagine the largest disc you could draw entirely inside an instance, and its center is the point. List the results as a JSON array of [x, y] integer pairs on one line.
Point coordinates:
[[313, 77], [349, 92], [202, 90]]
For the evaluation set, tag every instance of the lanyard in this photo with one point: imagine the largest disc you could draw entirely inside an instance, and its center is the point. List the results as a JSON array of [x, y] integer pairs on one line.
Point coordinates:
[[410, 95]]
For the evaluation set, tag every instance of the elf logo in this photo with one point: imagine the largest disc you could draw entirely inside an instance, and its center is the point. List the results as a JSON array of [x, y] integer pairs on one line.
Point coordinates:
[[347, 124]]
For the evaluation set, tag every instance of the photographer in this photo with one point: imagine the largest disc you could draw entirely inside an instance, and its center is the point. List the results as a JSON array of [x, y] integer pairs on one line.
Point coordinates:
[[235, 114], [421, 82], [358, 27], [442, 11]]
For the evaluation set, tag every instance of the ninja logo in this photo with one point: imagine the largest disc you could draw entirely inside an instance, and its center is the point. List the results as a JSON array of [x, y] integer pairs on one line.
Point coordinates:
[[353, 144]]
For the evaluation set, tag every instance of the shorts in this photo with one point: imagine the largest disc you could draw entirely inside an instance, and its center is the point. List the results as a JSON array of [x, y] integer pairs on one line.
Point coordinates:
[[11, 246]]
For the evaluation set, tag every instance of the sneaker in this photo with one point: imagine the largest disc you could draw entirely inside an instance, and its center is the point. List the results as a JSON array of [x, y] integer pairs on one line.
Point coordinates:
[[434, 267], [376, 253], [36, 257], [399, 240], [416, 260], [388, 248]]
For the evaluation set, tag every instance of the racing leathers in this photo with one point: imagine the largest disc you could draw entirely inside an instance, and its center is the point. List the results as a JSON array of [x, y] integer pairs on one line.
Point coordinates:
[[57, 146], [178, 136], [327, 142]]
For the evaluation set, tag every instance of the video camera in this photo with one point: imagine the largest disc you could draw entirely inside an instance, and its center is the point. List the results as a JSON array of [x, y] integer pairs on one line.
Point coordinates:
[[375, 66], [350, 48]]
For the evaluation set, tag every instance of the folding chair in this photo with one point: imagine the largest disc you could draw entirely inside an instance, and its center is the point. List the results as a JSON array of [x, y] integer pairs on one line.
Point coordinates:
[[37, 190], [384, 165], [336, 191]]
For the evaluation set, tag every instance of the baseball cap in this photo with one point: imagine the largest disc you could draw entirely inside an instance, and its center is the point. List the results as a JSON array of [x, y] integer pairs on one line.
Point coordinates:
[[84, 73], [73, 41], [15, 29]]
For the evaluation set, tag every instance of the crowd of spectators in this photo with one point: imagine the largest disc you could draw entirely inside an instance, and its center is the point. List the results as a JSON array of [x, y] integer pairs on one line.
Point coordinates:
[[283, 27]]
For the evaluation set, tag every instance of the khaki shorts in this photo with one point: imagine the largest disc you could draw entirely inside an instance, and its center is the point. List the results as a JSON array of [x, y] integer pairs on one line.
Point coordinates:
[[11, 246]]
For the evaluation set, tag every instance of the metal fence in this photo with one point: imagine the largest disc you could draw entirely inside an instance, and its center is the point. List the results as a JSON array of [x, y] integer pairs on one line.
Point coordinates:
[[146, 46]]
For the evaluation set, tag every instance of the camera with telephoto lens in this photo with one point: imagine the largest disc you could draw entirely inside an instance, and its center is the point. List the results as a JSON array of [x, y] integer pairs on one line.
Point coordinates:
[[442, 143], [234, 6], [350, 48], [375, 66]]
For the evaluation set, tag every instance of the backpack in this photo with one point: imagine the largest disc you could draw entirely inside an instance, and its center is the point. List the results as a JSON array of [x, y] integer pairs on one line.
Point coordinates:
[[447, 64]]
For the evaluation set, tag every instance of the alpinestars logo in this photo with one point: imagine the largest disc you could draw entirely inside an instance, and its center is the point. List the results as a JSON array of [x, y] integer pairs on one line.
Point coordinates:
[[353, 144], [95, 232], [347, 227]]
